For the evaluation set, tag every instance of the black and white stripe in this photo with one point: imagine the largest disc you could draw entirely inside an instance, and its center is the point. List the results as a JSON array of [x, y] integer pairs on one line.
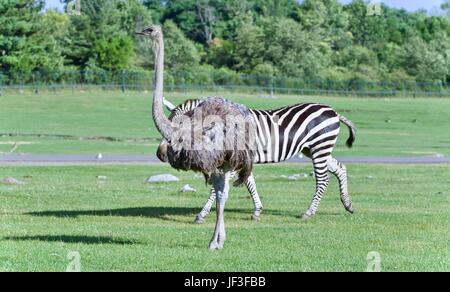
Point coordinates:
[[183, 108]]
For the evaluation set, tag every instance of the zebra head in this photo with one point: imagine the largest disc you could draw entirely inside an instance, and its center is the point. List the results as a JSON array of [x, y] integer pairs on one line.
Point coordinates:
[[183, 108]]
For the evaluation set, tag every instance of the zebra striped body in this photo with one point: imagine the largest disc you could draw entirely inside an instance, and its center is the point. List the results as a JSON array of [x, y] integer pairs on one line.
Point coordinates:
[[283, 133]]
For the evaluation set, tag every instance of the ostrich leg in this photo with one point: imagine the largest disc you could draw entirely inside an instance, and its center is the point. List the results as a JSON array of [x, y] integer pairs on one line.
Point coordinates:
[[251, 187], [221, 185]]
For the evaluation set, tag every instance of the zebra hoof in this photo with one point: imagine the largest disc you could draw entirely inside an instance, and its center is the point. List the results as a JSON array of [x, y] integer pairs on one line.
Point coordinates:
[[255, 218], [256, 215], [199, 220], [305, 217], [350, 209]]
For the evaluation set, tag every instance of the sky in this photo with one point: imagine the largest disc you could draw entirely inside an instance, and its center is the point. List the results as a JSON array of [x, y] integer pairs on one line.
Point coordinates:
[[410, 5]]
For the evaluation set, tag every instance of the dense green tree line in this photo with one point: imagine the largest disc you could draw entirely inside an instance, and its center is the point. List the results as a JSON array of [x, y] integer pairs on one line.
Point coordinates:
[[310, 39]]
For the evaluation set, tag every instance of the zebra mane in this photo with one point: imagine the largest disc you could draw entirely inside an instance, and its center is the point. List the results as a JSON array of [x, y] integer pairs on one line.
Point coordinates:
[[183, 108]]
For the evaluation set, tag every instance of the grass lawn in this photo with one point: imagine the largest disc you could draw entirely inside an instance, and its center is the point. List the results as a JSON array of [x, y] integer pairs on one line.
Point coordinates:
[[124, 224], [387, 127]]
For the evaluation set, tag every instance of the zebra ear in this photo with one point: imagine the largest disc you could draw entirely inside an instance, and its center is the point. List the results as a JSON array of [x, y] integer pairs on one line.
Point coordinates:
[[168, 104]]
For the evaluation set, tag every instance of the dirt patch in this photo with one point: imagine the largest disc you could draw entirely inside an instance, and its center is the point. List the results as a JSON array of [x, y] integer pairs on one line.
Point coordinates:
[[15, 145]]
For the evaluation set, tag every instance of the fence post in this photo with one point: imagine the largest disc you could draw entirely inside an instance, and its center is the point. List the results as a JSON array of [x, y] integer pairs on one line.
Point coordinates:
[[1, 83], [272, 90], [122, 80]]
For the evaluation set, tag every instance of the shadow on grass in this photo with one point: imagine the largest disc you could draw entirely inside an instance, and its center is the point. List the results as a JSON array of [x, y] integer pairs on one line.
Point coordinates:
[[73, 239], [147, 212]]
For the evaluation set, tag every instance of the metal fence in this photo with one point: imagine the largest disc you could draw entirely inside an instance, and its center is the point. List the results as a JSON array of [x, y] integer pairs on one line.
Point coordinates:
[[214, 81]]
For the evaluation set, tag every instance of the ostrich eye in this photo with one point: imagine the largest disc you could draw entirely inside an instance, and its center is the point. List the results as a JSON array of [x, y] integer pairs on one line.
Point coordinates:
[[180, 140]]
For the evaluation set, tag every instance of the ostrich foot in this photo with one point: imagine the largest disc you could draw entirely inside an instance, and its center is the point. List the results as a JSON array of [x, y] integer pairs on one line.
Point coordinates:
[[214, 245], [217, 243], [199, 219]]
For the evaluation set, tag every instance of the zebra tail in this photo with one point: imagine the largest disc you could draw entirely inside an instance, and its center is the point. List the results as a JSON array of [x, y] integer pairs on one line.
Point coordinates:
[[351, 128]]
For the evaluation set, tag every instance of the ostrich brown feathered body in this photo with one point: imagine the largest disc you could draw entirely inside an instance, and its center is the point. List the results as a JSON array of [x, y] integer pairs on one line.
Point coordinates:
[[182, 154]]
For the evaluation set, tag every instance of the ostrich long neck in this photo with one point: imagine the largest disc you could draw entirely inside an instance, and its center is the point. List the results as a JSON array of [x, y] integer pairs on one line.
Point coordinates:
[[161, 121]]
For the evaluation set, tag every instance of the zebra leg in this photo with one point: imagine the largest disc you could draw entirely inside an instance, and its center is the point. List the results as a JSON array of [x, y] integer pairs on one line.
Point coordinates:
[[322, 181], [200, 219], [340, 171], [251, 186], [221, 186]]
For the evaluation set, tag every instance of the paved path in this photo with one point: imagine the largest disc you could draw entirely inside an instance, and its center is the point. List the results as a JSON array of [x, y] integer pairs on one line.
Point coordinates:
[[148, 159]]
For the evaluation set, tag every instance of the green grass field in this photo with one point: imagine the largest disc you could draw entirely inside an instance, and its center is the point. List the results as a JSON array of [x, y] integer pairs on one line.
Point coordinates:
[[387, 127], [124, 224]]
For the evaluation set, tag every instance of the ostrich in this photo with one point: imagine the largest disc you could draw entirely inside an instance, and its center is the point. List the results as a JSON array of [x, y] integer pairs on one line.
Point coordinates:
[[215, 121], [176, 111]]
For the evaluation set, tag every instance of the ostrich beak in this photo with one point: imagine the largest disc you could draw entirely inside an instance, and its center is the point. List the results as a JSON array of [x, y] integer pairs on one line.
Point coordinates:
[[146, 32]]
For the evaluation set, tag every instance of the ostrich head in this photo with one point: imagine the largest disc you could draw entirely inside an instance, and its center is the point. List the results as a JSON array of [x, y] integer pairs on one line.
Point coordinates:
[[162, 151], [153, 31]]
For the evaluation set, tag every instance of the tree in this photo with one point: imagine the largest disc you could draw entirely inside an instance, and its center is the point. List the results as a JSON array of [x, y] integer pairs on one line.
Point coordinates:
[[197, 18], [97, 22], [446, 7], [292, 50], [206, 13], [390, 55], [431, 27], [204, 20], [230, 16], [424, 61], [249, 47], [275, 8], [133, 16], [327, 19], [114, 53], [102, 36], [157, 8], [221, 53], [181, 53], [25, 45], [184, 14], [289, 38], [361, 61]]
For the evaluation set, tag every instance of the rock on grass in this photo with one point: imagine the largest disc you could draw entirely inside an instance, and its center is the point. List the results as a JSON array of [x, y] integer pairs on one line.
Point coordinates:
[[11, 181], [296, 176], [163, 178], [188, 189]]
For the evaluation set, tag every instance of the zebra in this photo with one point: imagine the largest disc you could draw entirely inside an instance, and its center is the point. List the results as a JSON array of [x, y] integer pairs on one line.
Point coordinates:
[[308, 128]]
